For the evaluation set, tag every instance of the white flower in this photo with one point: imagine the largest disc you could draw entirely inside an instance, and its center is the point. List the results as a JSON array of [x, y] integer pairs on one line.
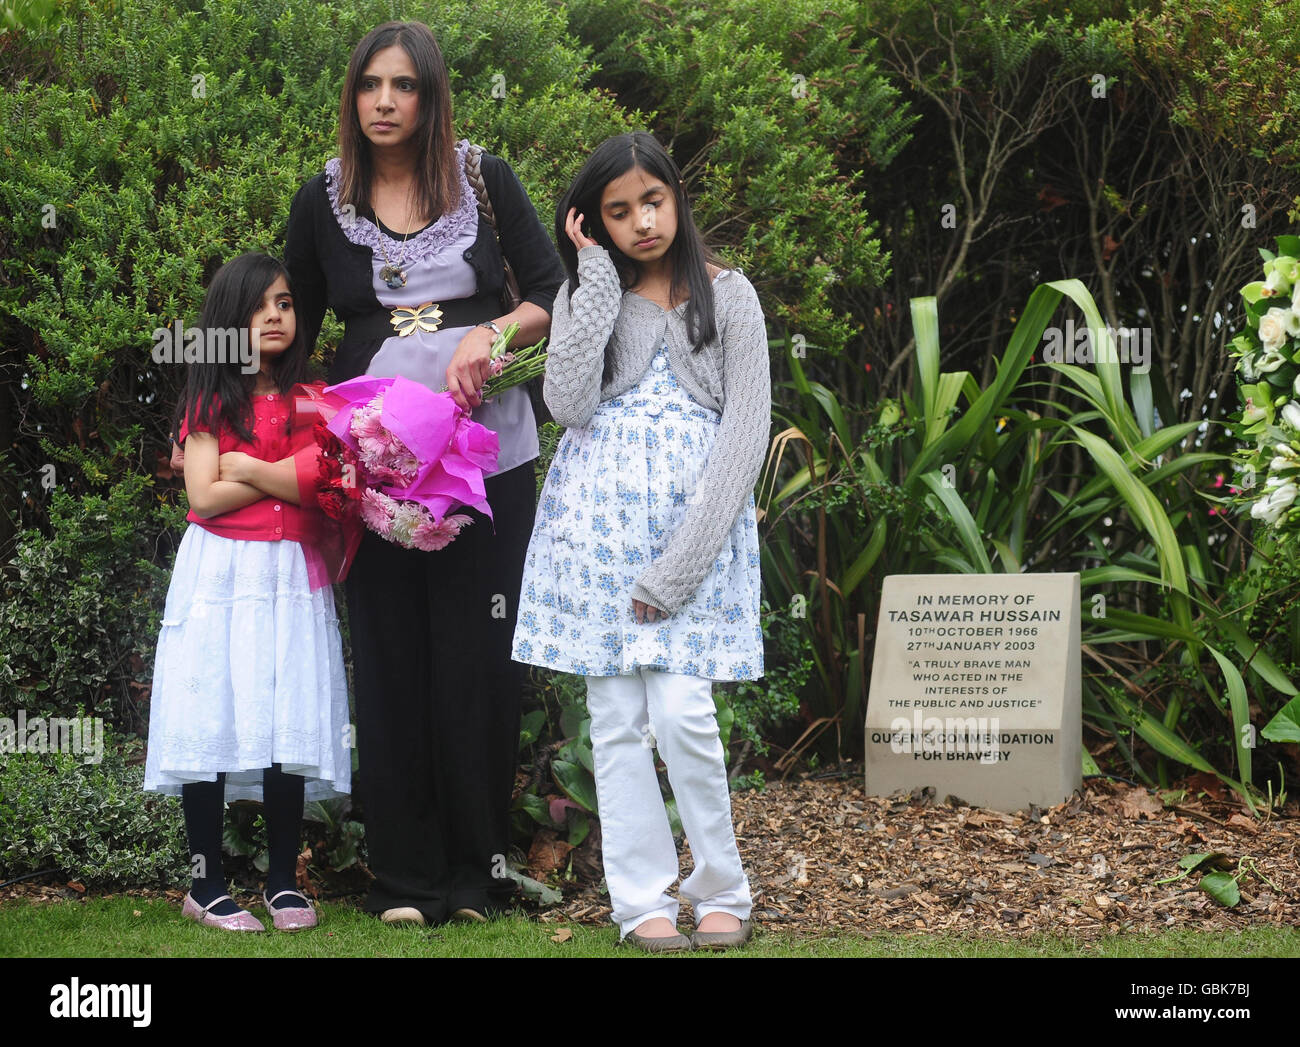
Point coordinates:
[[1293, 320], [1291, 415], [1272, 330], [1275, 503], [1270, 360]]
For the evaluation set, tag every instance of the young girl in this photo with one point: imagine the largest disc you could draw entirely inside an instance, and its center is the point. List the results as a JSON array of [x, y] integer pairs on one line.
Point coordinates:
[[249, 692], [642, 572]]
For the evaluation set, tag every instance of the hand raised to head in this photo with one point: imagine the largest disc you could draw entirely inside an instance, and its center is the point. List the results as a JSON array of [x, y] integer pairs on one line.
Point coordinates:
[[573, 226]]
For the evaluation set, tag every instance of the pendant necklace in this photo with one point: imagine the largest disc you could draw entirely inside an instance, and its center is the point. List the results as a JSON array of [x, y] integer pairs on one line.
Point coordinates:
[[393, 275]]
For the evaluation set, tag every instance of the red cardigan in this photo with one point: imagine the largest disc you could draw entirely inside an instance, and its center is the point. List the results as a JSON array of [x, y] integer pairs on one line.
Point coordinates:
[[268, 519]]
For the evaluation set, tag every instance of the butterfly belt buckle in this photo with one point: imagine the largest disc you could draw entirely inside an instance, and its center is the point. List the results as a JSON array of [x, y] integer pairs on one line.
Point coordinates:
[[409, 319]]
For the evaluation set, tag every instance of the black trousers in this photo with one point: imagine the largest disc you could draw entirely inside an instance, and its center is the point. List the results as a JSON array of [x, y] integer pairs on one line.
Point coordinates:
[[438, 705]]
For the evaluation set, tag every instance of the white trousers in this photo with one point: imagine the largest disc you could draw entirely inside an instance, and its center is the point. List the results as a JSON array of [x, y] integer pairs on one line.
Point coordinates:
[[675, 714]]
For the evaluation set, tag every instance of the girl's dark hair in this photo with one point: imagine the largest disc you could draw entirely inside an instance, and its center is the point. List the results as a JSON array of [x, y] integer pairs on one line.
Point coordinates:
[[220, 393], [437, 181], [687, 254]]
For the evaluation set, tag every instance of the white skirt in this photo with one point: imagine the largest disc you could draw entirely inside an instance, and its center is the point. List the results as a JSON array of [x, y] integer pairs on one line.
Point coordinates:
[[249, 673]]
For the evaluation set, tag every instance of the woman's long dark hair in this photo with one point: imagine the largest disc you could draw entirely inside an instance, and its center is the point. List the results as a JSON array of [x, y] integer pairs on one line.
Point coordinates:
[[218, 394], [437, 181], [688, 257]]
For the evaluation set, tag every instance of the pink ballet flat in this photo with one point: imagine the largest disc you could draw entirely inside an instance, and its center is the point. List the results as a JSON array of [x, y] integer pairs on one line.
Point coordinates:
[[239, 921], [291, 919]]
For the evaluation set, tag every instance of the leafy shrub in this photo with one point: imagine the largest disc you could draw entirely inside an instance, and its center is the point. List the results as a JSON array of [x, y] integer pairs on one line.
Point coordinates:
[[760, 708], [772, 111], [79, 609], [92, 822]]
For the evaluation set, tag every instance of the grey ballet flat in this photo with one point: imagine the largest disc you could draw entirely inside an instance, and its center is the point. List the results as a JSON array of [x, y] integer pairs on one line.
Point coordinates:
[[723, 939], [676, 943]]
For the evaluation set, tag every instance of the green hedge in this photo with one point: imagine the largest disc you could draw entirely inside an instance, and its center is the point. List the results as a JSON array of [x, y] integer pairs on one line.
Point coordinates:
[[91, 822], [79, 609]]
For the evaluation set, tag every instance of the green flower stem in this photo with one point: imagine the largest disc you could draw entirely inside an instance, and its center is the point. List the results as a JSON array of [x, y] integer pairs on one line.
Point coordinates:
[[502, 342], [527, 364]]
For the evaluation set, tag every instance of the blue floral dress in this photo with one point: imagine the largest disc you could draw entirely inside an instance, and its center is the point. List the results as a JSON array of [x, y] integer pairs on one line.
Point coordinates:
[[615, 492]]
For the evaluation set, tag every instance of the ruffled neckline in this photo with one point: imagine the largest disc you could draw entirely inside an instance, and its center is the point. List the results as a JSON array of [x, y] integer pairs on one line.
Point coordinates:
[[433, 238]]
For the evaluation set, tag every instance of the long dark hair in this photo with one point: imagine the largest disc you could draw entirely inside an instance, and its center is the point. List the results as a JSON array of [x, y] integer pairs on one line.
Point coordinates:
[[688, 256], [221, 394], [436, 179]]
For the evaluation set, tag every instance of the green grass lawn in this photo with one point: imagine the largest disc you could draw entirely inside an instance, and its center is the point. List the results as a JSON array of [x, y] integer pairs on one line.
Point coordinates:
[[109, 927]]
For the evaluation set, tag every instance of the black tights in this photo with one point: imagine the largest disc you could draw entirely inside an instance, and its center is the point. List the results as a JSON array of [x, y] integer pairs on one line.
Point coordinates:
[[282, 802]]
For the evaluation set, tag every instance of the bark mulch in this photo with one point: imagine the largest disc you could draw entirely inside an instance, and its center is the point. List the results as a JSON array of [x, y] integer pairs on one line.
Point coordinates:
[[823, 856]]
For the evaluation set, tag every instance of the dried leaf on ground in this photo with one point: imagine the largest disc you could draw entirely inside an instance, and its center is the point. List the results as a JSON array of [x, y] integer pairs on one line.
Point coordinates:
[[547, 855], [1138, 803]]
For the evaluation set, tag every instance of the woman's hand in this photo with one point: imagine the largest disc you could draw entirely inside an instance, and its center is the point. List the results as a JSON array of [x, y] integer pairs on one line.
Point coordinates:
[[237, 466], [178, 459], [573, 226], [646, 612], [470, 367]]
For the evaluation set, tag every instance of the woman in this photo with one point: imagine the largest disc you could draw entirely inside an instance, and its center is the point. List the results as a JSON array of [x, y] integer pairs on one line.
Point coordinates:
[[393, 222]]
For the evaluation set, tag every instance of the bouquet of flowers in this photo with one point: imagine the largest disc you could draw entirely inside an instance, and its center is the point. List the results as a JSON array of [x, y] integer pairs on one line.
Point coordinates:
[[1268, 367], [407, 457]]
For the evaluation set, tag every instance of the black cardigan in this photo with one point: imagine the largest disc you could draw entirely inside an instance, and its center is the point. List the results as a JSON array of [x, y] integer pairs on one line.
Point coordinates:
[[329, 270]]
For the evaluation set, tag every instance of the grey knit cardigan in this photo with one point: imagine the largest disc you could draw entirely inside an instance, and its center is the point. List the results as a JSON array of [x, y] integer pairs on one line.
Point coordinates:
[[731, 375]]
